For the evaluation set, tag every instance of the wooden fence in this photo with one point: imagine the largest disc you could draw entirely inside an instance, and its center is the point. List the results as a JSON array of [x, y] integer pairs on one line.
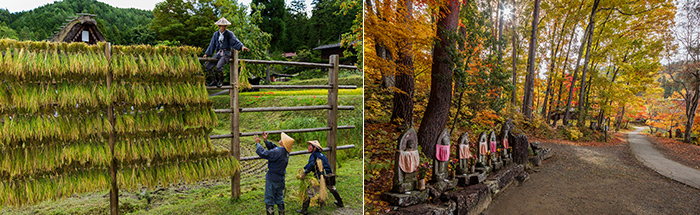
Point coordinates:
[[332, 107]]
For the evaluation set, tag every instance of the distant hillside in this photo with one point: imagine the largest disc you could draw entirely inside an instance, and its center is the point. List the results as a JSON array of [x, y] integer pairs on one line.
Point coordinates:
[[120, 26]]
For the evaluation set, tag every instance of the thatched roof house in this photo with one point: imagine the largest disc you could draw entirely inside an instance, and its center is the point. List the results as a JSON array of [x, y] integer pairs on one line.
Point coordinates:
[[82, 28]]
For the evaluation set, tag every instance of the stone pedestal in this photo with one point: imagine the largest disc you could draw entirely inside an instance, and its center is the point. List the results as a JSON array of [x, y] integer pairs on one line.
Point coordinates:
[[503, 178], [497, 165], [446, 208], [407, 198], [480, 175], [444, 184], [465, 180], [471, 200]]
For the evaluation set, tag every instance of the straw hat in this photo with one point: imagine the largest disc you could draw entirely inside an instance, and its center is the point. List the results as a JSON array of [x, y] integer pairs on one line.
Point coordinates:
[[222, 21], [287, 142], [315, 143]]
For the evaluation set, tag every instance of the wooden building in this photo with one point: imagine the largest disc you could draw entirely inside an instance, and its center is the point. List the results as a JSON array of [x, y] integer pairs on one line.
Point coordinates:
[[330, 49], [81, 28]]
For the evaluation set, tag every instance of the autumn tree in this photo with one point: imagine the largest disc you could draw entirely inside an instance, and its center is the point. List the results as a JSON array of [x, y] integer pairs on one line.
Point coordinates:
[[437, 111], [530, 80], [685, 73]]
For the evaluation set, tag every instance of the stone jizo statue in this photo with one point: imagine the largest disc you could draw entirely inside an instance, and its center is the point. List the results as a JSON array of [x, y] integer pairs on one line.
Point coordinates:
[[464, 154], [406, 162]]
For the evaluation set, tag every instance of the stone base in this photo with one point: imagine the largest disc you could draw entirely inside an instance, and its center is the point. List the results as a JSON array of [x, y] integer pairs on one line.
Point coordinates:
[[444, 185], [406, 199], [498, 165], [470, 200], [522, 177], [444, 209], [464, 180], [477, 178], [507, 161], [503, 178]]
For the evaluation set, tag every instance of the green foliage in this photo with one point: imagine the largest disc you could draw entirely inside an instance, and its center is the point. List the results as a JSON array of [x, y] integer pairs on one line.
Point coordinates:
[[118, 25], [272, 14], [7, 32]]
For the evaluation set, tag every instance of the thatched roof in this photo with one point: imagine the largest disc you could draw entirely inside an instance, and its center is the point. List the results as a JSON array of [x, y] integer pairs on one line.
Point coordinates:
[[71, 30]]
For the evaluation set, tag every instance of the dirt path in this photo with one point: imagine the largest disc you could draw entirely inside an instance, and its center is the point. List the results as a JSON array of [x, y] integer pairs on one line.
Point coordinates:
[[596, 180]]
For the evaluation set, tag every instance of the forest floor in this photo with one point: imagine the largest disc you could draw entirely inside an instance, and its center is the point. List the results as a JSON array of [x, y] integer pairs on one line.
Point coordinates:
[[593, 178]]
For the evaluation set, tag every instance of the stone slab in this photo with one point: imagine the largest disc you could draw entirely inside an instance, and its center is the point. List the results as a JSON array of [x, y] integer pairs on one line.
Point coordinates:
[[471, 200], [444, 185], [428, 209], [406, 199], [502, 179]]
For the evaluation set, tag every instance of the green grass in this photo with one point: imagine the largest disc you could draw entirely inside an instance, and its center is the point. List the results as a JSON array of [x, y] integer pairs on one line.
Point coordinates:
[[214, 197], [211, 198], [349, 80]]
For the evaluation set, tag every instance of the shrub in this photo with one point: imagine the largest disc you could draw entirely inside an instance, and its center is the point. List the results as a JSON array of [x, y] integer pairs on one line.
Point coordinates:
[[572, 133]]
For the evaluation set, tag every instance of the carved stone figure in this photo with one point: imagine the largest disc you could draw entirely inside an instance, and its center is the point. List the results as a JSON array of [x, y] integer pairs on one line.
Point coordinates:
[[464, 154], [440, 179], [495, 157], [406, 162]]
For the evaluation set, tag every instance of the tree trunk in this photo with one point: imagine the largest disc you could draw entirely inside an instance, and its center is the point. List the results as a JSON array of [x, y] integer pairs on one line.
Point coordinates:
[[591, 24], [690, 113], [436, 113], [554, 52], [402, 112], [563, 72], [622, 117], [530, 79], [515, 58], [573, 78]]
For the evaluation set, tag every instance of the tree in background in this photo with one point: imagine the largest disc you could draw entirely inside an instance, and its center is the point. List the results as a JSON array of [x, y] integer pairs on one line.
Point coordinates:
[[686, 73], [272, 13], [116, 24], [297, 35], [7, 32], [530, 80]]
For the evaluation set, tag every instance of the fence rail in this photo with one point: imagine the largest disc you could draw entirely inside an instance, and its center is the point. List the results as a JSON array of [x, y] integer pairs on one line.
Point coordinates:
[[301, 130], [286, 63], [300, 152], [295, 108], [332, 107], [350, 87]]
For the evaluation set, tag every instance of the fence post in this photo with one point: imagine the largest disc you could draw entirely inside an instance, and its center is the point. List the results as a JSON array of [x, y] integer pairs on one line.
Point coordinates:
[[114, 191], [332, 137], [235, 141]]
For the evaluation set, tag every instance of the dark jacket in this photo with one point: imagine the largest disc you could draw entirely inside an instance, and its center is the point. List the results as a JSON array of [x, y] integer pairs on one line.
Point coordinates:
[[277, 160], [311, 165], [230, 41]]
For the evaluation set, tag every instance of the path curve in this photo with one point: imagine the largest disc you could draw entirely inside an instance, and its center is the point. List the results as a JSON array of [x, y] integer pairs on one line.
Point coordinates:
[[652, 158]]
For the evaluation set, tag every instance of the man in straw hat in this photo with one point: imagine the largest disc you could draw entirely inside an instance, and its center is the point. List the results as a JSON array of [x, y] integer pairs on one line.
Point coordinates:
[[223, 41], [318, 163], [277, 159]]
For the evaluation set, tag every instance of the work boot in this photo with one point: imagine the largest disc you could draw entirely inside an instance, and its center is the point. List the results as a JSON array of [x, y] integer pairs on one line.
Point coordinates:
[[280, 208], [339, 201], [212, 75], [220, 79], [270, 209], [304, 207]]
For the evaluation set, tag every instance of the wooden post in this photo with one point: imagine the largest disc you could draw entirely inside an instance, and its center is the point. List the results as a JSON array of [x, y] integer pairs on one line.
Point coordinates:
[[235, 141], [114, 191], [332, 137]]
